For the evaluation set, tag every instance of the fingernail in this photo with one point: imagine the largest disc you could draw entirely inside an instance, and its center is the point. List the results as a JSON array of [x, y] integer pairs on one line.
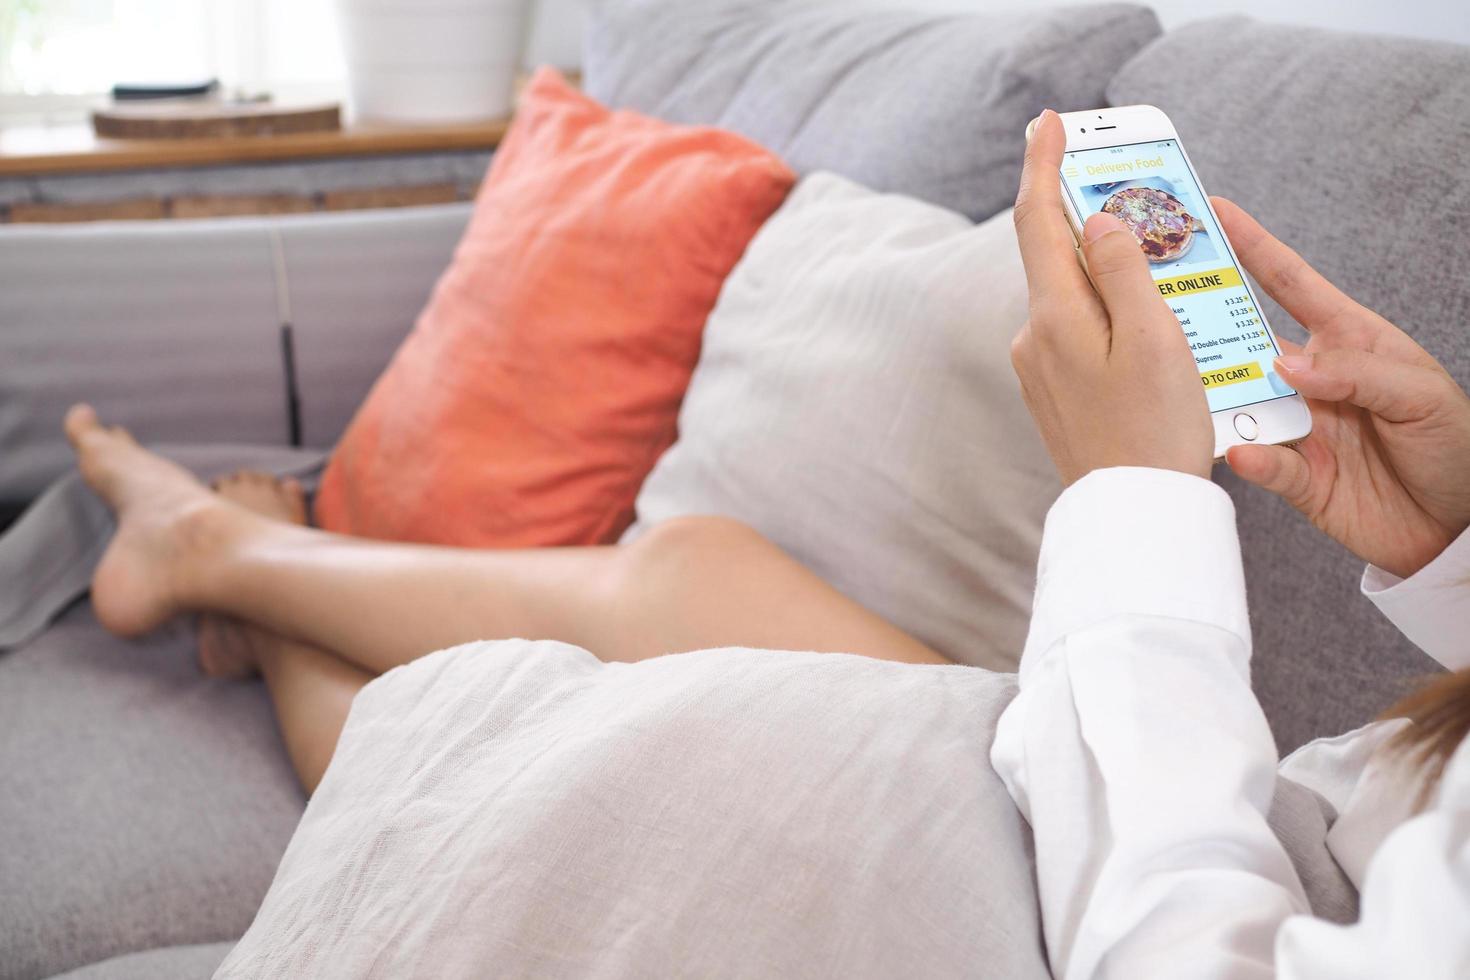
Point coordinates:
[[1293, 362], [1044, 114], [1101, 224]]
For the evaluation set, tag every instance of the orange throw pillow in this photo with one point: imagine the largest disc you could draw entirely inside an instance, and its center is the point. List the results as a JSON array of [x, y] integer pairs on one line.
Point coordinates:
[[543, 380]]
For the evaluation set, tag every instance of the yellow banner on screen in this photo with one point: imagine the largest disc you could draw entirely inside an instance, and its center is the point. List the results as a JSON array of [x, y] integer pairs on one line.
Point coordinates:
[[1200, 282], [1233, 375]]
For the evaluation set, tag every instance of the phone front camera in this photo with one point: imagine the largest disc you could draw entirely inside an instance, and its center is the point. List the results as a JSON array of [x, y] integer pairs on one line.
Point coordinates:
[[1084, 129]]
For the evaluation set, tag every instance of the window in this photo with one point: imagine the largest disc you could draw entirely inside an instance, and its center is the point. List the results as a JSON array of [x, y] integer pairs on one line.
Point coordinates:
[[59, 56]]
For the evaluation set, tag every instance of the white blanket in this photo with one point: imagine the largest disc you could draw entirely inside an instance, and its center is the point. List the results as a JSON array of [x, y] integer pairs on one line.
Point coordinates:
[[519, 809]]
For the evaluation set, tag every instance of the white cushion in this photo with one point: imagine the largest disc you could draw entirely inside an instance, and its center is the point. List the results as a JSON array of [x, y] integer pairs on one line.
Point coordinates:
[[518, 809], [855, 403]]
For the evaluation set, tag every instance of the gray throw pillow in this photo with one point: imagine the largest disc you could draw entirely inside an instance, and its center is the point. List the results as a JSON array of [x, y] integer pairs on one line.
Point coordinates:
[[1352, 150], [922, 103], [854, 402]]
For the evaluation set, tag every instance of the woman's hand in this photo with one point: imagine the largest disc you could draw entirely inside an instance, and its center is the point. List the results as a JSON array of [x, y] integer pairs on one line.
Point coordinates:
[[1386, 470], [1106, 372]]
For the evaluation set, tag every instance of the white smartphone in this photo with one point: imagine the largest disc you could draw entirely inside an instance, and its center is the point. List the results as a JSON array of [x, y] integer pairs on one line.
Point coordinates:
[[1128, 161]]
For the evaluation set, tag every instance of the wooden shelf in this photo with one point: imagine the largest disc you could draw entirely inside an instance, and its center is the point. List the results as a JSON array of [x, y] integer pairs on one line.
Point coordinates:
[[28, 151]]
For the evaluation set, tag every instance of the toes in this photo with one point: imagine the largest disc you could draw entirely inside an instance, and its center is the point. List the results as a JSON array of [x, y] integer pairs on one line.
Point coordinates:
[[296, 497], [227, 480], [225, 648], [82, 426], [206, 638], [81, 420]]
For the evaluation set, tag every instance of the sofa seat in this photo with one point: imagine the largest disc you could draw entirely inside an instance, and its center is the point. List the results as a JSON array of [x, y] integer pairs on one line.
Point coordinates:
[[170, 963], [157, 802]]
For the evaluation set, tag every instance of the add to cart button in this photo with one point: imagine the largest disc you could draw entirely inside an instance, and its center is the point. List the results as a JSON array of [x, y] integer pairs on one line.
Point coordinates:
[[1233, 375], [1200, 282]]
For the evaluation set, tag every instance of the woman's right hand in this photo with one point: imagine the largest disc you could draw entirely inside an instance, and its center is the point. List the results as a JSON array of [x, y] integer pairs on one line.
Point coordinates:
[[1386, 470]]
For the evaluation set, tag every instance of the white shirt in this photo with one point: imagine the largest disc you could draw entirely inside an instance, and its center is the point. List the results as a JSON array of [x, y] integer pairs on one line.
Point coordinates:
[[1145, 767]]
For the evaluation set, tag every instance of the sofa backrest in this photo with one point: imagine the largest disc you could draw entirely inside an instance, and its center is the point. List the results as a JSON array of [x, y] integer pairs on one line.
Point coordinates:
[[173, 328], [922, 103], [1352, 149]]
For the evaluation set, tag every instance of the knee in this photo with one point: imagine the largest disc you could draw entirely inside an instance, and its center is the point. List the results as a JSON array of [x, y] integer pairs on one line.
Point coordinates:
[[685, 546]]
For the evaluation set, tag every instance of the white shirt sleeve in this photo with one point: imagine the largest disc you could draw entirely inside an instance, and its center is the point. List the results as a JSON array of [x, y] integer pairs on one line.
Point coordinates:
[[1432, 608], [1135, 747]]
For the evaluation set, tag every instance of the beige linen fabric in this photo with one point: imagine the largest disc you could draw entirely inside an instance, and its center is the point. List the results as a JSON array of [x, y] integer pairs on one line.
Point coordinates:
[[518, 809], [855, 403]]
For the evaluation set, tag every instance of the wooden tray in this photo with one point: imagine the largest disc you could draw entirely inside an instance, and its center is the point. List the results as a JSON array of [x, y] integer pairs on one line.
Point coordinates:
[[204, 120]]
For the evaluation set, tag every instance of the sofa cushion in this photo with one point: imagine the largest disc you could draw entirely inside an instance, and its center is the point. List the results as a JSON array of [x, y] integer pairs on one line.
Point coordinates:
[[727, 813], [170, 963], [543, 379], [172, 328], [881, 438], [1351, 149], [355, 282], [928, 104], [144, 805]]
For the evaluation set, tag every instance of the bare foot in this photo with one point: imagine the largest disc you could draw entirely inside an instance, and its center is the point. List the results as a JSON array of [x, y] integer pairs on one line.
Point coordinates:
[[229, 647], [264, 494], [166, 520]]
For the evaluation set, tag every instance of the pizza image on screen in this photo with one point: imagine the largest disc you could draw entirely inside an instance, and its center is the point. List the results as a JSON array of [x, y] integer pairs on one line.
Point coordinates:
[[1164, 229]]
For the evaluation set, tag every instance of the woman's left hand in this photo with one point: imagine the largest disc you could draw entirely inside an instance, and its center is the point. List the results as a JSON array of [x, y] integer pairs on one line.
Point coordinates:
[[1104, 366]]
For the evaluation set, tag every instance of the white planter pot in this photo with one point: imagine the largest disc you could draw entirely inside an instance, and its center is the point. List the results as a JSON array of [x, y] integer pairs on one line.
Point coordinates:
[[432, 60]]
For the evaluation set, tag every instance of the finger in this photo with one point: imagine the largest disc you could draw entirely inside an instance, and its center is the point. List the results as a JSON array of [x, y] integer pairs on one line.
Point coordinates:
[[1291, 281], [1281, 470], [1288, 346], [1047, 246], [1393, 390], [1120, 273]]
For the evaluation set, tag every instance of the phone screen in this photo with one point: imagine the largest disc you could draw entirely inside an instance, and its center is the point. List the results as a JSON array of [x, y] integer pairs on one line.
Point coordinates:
[[1151, 189]]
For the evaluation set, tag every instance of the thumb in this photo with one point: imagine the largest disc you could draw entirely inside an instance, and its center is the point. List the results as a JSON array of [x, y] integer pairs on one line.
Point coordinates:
[[1393, 390], [1282, 471], [1120, 274]]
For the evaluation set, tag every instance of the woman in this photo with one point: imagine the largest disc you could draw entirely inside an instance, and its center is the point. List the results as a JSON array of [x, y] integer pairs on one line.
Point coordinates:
[[1135, 711], [1135, 747]]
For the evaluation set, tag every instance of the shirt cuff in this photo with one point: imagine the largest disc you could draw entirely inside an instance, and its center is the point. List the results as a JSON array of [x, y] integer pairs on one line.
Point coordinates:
[[1133, 541], [1432, 606]]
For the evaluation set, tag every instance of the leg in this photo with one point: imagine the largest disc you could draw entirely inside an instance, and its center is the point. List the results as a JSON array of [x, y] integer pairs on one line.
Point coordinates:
[[312, 692], [688, 585]]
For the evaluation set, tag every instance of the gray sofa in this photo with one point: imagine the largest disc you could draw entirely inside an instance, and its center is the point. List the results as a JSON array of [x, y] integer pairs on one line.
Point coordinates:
[[144, 808]]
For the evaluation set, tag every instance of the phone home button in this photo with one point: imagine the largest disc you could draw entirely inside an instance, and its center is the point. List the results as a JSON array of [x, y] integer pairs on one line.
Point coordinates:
[[1247, 426]]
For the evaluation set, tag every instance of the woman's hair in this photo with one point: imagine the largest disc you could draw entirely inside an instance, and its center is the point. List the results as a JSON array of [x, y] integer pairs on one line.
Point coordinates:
[[1440, 712]]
